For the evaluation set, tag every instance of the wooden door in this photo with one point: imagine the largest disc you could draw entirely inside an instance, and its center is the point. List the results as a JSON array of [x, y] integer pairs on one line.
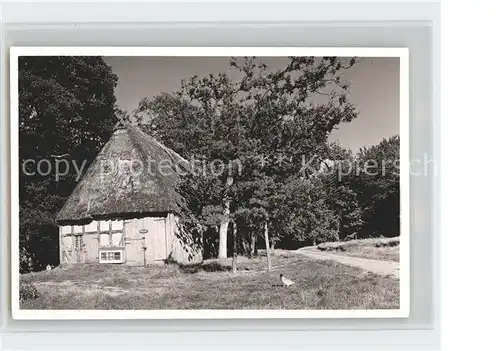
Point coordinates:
[[158, 240], [133, 239], [91, 247]]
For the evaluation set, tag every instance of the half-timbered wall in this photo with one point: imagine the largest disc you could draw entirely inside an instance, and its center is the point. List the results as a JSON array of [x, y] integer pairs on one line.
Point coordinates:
[[150, 240]]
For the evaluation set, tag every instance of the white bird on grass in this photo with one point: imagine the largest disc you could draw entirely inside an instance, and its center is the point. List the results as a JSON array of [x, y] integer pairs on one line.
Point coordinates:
[[286, 282]]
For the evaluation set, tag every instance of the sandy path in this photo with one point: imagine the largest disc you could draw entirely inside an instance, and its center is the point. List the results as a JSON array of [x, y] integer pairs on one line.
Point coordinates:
[[374, 266]]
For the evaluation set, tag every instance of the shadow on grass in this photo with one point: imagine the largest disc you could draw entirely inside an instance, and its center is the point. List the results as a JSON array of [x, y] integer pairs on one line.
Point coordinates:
[[224, 265], [204, 267]]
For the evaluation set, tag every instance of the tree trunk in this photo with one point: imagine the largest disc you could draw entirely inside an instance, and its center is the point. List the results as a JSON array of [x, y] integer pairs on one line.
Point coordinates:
[[235, 246], [223, 231], [246, 244], [268, 253], [253, 241], [225, 223]]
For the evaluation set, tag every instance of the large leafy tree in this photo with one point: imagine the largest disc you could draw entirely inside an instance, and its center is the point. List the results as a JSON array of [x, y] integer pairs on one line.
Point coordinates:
[[66, 106], [265, 119]]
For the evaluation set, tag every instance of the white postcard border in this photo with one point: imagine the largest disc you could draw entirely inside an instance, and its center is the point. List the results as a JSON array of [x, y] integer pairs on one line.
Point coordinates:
[[402, 53]]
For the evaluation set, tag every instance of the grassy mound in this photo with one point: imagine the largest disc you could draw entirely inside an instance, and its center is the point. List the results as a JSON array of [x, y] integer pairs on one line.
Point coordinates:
[[373, 248]]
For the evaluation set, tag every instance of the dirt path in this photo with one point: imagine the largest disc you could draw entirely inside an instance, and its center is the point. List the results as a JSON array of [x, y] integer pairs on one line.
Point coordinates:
[[374, 266]]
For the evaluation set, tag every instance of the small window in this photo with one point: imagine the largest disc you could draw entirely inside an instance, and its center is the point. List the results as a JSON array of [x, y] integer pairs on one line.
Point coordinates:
[[115, 256]]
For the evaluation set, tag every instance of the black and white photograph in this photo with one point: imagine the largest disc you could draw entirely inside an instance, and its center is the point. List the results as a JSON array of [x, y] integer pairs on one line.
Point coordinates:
[[209, 182]]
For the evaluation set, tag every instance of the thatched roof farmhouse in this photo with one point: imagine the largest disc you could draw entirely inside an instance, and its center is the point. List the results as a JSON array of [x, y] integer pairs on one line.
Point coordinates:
[[126, 207]]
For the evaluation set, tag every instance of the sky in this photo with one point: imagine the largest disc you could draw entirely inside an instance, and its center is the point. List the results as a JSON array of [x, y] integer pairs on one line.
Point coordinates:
[[374, 89]]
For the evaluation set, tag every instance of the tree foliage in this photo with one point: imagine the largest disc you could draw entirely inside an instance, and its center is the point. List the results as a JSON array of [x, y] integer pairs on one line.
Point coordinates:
[[66, 105], [268, 122]]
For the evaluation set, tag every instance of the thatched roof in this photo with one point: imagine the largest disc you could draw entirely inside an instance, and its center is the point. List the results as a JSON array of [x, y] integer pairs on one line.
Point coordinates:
[[133, 176]]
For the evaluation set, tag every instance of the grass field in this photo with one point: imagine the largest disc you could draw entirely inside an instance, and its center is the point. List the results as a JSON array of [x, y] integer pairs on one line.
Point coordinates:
[[386, 249], [319, 285]]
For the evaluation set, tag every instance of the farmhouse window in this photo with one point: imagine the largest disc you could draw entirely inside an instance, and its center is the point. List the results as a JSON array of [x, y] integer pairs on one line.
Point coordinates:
[[112, 256]]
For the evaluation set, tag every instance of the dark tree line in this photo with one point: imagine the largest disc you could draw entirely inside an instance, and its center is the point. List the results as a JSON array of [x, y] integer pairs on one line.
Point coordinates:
[[66, 105]]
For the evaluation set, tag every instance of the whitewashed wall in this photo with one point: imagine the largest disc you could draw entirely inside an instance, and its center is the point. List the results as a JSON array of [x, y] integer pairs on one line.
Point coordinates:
[[161, 241]]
